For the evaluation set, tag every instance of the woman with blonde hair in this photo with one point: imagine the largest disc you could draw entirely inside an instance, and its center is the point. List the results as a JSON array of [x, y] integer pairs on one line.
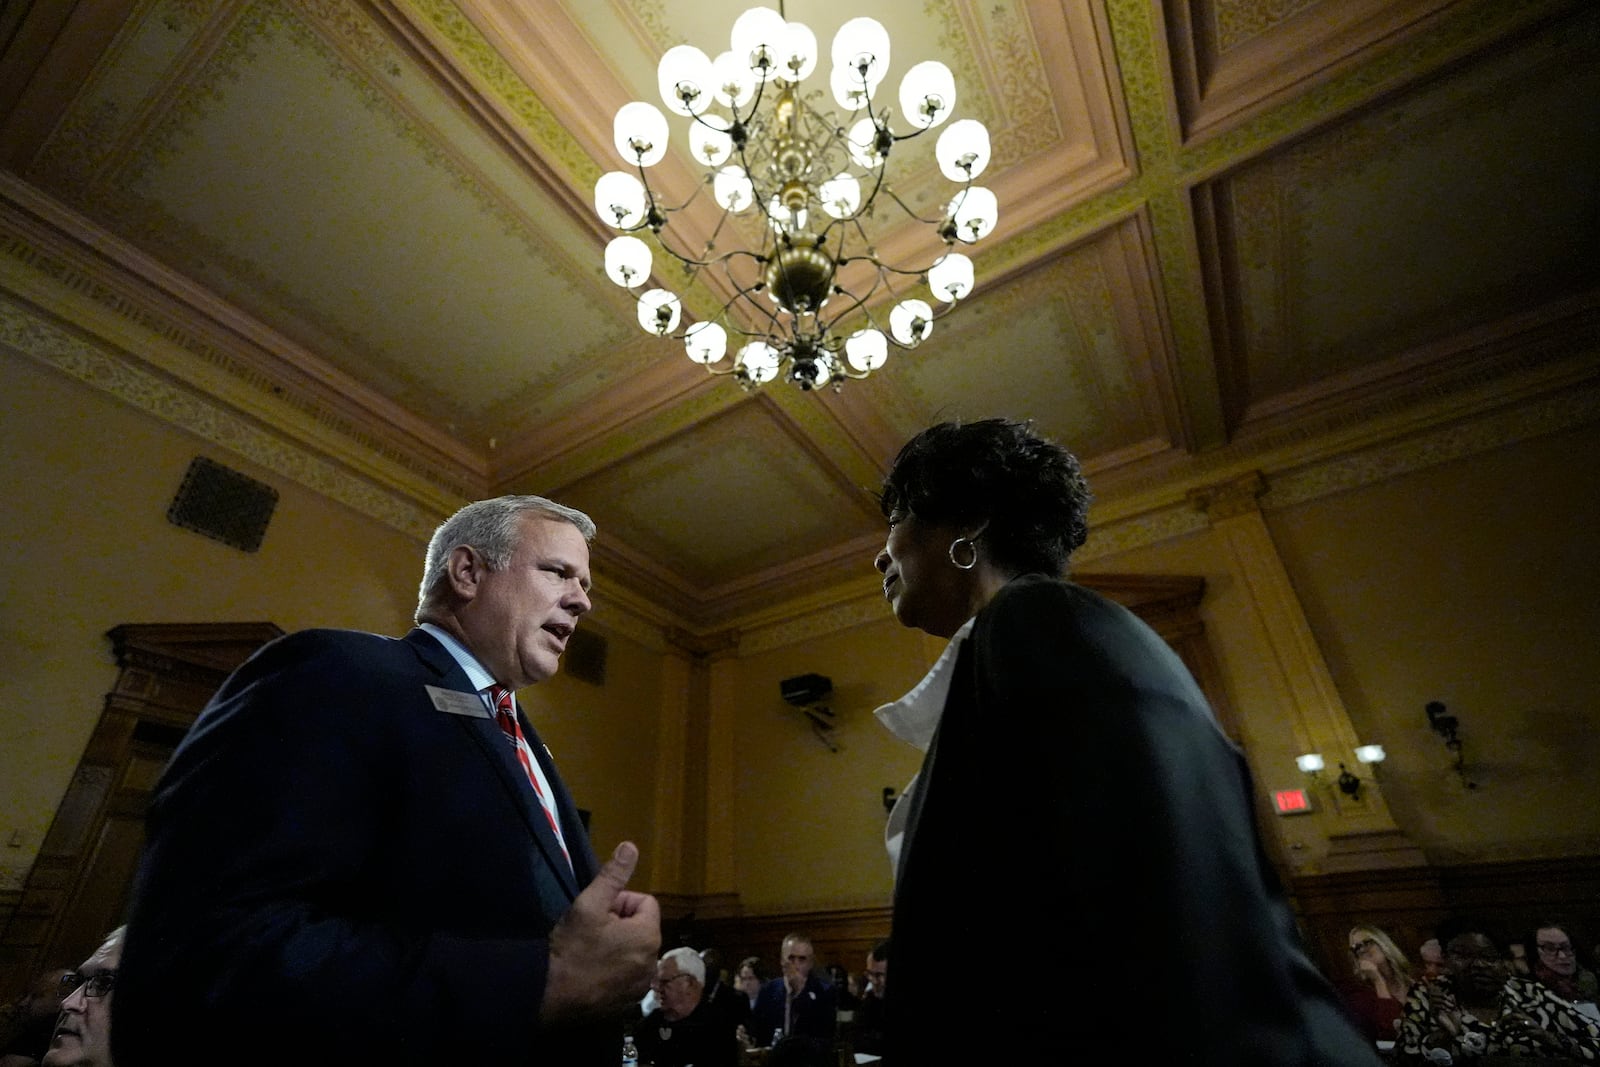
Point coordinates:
[[1385, 979]]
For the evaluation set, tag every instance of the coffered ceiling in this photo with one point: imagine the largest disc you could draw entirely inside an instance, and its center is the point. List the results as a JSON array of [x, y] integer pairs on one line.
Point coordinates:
[[1229, 231]]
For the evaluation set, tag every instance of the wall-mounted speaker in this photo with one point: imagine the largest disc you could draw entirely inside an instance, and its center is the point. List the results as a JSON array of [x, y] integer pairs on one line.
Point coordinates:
[[223, 504], [585, 657]]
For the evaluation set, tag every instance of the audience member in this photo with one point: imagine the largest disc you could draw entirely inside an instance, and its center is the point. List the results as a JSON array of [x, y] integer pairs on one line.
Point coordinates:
[[798, 1004], [724, 1000], [684, 1030], [1432, 957], [82, 1036], [1384, 976], [1556, 964], [30, 1021], [1479, 1008], [749, 979], [868, 1033]]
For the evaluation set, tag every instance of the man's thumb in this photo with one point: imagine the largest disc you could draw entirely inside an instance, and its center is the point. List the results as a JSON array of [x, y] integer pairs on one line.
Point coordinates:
[[613, 877]]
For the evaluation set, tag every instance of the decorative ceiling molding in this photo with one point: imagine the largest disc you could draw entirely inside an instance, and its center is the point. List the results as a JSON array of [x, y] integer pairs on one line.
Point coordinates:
[[26, 331]]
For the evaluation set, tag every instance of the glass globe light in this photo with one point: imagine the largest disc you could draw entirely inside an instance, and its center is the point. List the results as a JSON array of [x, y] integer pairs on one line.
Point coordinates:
[[659, 311], [619, 200], [862, 41], [963, 150], [640, 132], [782, 219], [848, 91], [866, 350], [628, 261], [974, 212], [709, 142], [862, 142], [685, 79], [735, 85], [759, 33], [759, 360], [951, 277], [797, 53], [840, 195], [706, 342], [927, 94], [911, 321], [733, 189]]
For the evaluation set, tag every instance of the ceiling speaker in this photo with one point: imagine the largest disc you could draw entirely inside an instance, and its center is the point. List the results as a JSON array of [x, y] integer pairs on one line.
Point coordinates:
[[223, 504]]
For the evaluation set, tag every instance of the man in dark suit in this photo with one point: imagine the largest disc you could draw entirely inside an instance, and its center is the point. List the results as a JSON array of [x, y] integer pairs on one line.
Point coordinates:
[[362, 853], [799, 1004]]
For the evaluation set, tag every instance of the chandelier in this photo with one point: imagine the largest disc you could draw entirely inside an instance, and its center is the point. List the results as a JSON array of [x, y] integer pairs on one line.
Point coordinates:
[[818, 184]]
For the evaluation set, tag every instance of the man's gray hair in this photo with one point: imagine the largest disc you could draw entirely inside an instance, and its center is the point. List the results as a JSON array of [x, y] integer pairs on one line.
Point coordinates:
[[492, 528], [688, 961]]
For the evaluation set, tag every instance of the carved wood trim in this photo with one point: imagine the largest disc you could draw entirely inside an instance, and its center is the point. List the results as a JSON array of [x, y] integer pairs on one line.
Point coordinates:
[[78, 887]]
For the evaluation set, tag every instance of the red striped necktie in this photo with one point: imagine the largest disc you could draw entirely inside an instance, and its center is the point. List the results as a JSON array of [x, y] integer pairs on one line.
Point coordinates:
[[505, 714]]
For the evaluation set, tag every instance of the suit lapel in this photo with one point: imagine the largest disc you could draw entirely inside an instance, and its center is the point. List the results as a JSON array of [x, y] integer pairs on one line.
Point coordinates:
[[487, 737]]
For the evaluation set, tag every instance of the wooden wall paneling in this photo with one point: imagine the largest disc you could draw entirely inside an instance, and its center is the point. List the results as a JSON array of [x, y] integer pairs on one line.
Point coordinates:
[[78, 887]]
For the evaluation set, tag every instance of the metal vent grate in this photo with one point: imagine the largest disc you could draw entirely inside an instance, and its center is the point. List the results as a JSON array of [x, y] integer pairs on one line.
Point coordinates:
[[585, 657], [223, 504]]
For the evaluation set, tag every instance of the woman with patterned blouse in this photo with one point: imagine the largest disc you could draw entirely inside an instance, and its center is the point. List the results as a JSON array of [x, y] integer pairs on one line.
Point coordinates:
[[1480, 1012]]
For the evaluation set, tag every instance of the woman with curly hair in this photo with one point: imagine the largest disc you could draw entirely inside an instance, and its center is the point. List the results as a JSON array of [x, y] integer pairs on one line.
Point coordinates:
[[1077, 799]]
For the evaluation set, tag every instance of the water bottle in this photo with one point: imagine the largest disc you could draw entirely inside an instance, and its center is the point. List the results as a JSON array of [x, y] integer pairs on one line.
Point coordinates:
[[630, 1052]]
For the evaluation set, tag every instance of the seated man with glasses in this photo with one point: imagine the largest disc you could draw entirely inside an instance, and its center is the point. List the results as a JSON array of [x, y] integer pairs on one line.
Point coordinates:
[[1480, 1012], [1555, 965], [684, 1028], [83, 1032]]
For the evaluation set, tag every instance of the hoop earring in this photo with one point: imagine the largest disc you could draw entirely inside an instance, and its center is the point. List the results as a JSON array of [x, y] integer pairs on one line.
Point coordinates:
[[970, 543]]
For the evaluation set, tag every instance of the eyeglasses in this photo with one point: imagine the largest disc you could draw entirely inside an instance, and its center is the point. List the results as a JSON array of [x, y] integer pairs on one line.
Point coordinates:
[[1361, 946], [796, 958], [662, 983], [94, 985], [1550, 948]]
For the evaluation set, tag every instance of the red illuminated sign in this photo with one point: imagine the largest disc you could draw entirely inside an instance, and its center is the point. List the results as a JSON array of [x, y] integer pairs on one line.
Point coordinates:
[[1291, 802]]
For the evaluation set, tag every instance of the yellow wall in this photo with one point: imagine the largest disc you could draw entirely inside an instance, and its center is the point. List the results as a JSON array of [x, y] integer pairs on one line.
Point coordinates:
[[1470, 582], [604, 740], [809, 822], [1475, 583]]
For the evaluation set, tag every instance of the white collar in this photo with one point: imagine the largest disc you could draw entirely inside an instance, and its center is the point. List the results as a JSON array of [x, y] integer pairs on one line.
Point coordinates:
[[477, 674], [914, 717]]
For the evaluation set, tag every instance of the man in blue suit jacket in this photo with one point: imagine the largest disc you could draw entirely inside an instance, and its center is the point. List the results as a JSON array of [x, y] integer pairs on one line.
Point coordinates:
[[350, 859]]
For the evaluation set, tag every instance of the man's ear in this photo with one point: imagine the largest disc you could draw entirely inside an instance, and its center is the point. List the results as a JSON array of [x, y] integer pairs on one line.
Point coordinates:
[[464, 570]]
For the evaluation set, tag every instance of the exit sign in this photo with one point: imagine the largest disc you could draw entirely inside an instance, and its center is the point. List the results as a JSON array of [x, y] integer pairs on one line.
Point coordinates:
[[1291, 802]]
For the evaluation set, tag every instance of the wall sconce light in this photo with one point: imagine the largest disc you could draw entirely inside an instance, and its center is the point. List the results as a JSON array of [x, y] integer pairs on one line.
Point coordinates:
[[1309, 763], [889, 798], [1446, 726], [1349, 784]]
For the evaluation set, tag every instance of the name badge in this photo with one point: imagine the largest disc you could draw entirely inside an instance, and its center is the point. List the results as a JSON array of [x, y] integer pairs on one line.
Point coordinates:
[[455, 702]]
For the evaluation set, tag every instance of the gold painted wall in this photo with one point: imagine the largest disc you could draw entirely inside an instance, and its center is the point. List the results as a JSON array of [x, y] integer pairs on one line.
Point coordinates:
[[809, 822], [604, 740], [1470, 582], [1475, 583]]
